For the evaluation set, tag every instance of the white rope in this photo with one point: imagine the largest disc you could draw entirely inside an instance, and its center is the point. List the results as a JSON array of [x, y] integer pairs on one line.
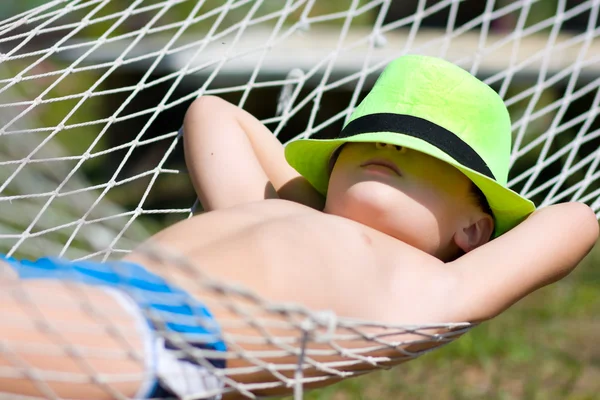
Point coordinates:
[[240, 48]]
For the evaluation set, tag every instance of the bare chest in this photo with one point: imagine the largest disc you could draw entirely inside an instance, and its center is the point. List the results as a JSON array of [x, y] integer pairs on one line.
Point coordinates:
[[286, 237], [277, 231], [291, 253]]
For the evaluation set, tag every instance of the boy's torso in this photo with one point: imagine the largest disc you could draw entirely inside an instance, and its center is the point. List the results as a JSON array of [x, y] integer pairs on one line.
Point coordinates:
[[265, 243]]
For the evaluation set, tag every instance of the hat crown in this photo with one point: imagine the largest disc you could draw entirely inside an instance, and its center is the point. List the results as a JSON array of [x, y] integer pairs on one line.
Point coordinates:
[[446, 95]]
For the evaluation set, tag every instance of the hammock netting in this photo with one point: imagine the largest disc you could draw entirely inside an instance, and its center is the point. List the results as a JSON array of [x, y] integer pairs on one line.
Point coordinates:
[[92, 95]]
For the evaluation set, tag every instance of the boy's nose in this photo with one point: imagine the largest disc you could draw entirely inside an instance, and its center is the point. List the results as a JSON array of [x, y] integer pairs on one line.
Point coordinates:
[[380, 145]]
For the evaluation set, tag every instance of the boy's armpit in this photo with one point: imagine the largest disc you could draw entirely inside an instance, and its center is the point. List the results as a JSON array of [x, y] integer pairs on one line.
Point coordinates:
[[541, 250], [299, 190]]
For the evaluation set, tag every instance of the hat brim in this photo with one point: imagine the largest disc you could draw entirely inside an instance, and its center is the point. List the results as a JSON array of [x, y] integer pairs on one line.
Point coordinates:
[[310, 157]]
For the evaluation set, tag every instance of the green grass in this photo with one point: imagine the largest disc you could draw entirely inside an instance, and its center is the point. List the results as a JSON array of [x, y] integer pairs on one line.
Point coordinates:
[[545, 347]]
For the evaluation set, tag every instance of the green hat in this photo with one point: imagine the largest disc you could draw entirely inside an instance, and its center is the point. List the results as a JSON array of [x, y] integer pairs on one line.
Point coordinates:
[[432, 106]]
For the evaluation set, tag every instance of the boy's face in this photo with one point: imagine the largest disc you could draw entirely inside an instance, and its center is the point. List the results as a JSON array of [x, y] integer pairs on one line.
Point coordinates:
[[417, 198]]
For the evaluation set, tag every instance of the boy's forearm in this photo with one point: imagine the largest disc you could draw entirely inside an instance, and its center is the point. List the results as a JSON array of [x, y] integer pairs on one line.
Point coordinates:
[[288, 183], [227, 144], [212, 113], [268, 149], [46, 327], [541, 250], [223, 166]]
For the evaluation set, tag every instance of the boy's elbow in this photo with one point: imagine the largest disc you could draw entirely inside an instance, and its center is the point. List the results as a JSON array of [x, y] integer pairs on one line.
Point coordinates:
[[585, 222], [203, 107], [580, 235], [206, 102], [576, 222], [568, 231]]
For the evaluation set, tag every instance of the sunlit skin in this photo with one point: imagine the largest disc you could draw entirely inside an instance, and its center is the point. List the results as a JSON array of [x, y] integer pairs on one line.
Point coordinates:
[[383, 250], [418, 199]]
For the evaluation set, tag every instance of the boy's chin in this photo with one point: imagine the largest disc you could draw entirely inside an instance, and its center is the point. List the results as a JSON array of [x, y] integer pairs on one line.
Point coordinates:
[[363, 205], [374, 194]]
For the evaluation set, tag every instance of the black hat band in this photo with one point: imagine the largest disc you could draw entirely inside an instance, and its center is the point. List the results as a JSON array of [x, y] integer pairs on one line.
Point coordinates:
[[422, 129]]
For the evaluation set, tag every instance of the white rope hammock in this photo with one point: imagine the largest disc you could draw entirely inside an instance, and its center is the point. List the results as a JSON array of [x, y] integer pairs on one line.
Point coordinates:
[[63, 118]]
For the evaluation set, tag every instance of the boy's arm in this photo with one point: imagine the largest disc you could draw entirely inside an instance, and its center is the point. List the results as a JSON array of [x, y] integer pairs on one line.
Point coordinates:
[[541, 250], [48, 332], [233, 158]]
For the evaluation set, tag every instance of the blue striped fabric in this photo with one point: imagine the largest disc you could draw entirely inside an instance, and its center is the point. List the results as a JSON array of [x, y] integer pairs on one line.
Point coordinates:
[[166, 307]]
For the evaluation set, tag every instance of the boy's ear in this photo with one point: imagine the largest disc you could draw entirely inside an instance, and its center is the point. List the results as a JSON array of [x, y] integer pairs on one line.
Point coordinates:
[[474, 235]]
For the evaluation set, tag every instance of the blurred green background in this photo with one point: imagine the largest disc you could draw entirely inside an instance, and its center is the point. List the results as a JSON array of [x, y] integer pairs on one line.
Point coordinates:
[[546, 347]]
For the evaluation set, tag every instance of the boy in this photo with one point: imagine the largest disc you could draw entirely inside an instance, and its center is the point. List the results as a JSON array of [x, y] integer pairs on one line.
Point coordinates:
[[415, 189]]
